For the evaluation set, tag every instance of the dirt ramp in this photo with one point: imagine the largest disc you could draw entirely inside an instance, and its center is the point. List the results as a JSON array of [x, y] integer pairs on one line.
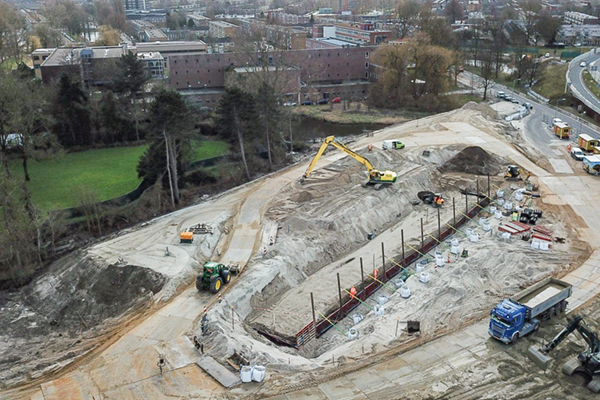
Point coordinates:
[[473, 160]]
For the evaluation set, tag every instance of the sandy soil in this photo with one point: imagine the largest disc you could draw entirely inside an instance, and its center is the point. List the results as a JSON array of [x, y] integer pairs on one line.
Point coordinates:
[[323, 229]]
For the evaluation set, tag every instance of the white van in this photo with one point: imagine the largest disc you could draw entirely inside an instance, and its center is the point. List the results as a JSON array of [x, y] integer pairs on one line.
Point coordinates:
[[392, 144], [582, 64]]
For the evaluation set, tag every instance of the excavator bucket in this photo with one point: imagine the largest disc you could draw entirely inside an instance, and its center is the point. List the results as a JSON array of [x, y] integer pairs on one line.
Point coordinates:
[[538, 357]]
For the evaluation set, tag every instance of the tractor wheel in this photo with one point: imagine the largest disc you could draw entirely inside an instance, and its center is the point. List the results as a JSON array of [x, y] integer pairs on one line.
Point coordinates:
[[594, 385], [199, 284], [226, 276], [216, 283]]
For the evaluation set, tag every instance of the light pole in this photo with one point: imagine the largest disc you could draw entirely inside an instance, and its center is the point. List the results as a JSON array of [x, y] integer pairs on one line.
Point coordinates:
[[518, 79], [557, 101], [580, 122]]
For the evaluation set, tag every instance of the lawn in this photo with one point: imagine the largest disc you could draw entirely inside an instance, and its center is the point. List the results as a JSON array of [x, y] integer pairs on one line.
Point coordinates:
[[208, 149], [109, 173], [591, 84], [552, 83]]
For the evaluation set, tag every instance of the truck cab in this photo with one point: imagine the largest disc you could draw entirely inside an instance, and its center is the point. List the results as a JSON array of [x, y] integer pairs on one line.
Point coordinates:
[[508, 322]]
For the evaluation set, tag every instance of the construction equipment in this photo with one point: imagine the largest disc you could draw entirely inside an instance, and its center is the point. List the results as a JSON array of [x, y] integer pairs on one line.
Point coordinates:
[[376, 178], [586, 363], [523, 312], [514, 172], [213, 277], [186, 237], [435, 199]]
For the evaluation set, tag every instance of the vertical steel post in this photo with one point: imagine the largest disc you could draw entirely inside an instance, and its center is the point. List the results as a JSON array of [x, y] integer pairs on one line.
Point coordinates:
[[403, 256], [383, 278], [439, 226], [312, 304], [340, 295], [422, 246], [454, 210]]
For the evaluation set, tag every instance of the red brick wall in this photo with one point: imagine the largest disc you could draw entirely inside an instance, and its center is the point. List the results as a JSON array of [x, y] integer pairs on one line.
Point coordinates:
[[198, 70]]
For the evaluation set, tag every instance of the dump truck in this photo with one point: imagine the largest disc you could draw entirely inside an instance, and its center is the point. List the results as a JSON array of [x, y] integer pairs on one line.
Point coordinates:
[[587, 143], [522, 313], [562, 130]]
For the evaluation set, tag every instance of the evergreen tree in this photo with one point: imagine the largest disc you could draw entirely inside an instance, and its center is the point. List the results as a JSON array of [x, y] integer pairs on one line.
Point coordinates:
[[71, 113], [129, 82]]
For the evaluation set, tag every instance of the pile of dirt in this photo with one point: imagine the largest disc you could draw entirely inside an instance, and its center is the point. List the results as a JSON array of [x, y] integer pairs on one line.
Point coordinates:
[[76, 300], [473, 160]]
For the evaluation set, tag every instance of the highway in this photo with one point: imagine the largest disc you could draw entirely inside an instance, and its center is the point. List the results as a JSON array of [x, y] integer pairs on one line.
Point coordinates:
[[575, 80]]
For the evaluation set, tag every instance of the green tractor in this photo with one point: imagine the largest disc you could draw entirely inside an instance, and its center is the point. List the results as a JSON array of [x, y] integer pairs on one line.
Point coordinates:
[[213, 276]]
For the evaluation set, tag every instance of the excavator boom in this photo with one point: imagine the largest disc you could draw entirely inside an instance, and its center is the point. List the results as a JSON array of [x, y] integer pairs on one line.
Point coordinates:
[[375, 177]]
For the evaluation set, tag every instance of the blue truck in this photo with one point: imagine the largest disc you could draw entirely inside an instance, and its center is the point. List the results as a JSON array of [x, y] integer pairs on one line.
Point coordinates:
[[522, 313]]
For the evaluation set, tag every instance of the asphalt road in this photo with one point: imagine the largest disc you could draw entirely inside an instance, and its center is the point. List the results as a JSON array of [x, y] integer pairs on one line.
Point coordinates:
[[574, 76], [539, 122]]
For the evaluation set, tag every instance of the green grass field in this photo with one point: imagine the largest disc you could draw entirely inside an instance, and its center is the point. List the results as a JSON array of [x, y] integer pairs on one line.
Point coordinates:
[[208, 149], [56, 184]]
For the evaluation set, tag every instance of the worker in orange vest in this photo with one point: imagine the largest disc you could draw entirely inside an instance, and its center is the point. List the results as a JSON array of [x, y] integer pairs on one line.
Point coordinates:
[[352, 292]]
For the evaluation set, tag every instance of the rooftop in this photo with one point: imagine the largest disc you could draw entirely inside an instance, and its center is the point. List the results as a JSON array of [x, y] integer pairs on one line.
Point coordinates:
[[335, 42], [63, 56], [223, 24]]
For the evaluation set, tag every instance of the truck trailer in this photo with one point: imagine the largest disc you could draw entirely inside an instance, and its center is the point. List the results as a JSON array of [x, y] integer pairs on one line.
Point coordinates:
[[522, 313]]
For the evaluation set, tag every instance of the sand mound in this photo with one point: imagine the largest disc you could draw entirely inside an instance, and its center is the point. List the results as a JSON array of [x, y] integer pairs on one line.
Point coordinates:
[[302, 197], [485, 109], [473, 160]]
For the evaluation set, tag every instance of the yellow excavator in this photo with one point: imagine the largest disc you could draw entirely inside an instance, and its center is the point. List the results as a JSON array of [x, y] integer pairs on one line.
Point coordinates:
[[376, 178]]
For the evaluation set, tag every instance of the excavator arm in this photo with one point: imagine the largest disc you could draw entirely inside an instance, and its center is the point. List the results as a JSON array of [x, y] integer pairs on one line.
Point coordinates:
[[590, 338], [354, 155], [331, 140], [322, 149], [562, 335]]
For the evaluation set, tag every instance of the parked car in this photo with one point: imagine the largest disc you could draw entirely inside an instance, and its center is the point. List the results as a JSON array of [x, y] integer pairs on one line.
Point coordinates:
[[289, 104], [528, 106], [513, 100], [501, 95], [555, 120], [306, 103], [582, 64], [508, 98], [336, 100], [577, 154], [323, 101]]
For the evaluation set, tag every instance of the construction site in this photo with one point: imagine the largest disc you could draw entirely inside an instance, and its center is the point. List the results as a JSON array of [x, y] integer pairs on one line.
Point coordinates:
[[365, 271]]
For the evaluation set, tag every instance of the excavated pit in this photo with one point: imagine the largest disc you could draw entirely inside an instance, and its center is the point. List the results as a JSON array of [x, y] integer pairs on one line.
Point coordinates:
[[325, 222]]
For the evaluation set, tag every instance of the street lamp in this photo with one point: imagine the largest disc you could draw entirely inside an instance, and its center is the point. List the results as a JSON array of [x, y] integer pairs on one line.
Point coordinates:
[[518, 79], [580, 123], [557, 101]]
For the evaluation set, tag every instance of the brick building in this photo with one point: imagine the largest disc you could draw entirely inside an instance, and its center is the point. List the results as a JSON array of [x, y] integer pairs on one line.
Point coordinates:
[[323, 72]]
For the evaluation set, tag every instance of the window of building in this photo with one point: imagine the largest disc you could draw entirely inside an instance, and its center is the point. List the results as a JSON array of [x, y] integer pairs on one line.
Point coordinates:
[[366, 74], [366, 54], [175, 62], [367, 65]]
